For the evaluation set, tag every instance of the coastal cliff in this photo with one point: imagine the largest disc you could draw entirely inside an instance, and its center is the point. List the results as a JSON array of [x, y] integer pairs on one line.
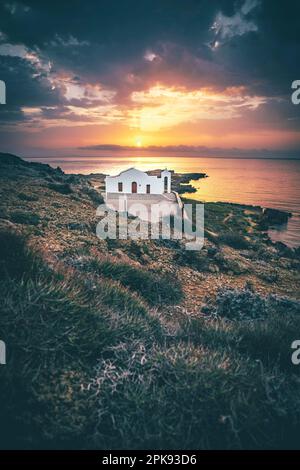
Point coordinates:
[[111, 342]]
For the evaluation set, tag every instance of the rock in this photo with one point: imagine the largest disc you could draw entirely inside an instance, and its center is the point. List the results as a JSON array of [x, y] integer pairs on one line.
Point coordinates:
[[77, 226], [275, 217], [213, 269], [284, 250]]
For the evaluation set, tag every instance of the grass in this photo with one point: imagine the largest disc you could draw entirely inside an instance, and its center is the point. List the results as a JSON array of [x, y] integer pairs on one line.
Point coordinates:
[[154, 287], [16, 260], [56, 327], [229, 220], [89, 365], [54, 334], [98, 358], [188, 397], [270, 341]]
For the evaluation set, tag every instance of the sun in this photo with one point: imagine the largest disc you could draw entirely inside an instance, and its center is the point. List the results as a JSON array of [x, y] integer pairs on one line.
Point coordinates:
[[138, 142]]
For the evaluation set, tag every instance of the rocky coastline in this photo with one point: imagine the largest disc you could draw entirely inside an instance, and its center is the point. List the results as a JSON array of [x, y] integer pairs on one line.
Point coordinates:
[[90, 323]]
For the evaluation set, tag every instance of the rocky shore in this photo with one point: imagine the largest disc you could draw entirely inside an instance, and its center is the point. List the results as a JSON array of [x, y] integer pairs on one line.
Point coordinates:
[[57, 211], [142, 321]]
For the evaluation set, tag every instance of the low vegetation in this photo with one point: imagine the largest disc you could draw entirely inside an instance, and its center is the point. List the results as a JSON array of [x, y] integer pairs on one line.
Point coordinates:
[[154, 287], [90, 365], [122, 344], [62, 188], [20, 217], [196, 260], [244, 304], [234, 240], [56, 328], [94, 195]]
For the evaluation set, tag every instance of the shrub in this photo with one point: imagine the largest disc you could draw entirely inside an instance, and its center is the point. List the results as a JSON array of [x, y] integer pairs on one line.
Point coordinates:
[[227, 264], [235, 240], [78, 226], [73, 179], [62, 188], [168, 243], [27, 197], [3, 213], [196, 260], [26, 218], [270, 276], [244, 304], [112, 243], [94, 195], [138, 250]]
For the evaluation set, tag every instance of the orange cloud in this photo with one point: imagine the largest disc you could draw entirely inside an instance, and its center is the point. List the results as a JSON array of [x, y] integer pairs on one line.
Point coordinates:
[[165, 107]]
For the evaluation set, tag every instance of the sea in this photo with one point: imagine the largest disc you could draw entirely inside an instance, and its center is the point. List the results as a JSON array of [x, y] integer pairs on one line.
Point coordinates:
[[273, 183]]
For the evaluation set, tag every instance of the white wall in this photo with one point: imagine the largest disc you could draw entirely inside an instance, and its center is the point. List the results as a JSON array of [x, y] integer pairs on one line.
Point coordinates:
[[168, 175], [141, 178]]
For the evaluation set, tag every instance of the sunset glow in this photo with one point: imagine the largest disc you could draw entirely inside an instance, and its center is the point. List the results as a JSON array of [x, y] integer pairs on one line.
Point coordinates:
[[211, 88], [138, 142], [149, 230]]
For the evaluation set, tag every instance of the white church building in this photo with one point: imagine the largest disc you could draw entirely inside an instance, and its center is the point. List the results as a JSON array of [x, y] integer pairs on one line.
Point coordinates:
[[134, 181]]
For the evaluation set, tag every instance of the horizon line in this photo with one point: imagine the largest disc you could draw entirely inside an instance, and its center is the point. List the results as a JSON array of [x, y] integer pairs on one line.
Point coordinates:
[[165, 156]]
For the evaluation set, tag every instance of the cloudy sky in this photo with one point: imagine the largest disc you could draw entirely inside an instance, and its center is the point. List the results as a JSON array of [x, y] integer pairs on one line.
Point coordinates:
[[193, 75]]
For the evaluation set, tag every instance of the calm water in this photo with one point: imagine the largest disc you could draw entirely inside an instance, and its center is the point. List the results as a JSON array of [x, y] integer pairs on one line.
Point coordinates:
[[268, 183]]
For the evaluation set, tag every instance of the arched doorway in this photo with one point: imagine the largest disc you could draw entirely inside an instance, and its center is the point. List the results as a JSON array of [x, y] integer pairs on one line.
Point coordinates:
[[165, 184], [134, 187]]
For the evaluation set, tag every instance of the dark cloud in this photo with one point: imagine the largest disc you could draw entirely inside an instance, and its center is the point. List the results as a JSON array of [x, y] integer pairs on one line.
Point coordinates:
[[198, 151], [25, 84], [11, 114], [125, 45], [96, 40]]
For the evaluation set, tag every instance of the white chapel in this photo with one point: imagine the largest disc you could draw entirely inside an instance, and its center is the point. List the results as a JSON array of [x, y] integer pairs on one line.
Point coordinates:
[[133, 181]]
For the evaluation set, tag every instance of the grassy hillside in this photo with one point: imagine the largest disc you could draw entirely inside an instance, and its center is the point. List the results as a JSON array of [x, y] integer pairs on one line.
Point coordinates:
[[141, 344]]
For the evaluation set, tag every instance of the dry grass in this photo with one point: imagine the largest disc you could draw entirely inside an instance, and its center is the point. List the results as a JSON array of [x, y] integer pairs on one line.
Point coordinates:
[[89, 365]]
